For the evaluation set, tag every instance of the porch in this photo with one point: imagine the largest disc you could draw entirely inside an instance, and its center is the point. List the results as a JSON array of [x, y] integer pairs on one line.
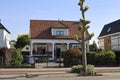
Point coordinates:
[[52, 48]]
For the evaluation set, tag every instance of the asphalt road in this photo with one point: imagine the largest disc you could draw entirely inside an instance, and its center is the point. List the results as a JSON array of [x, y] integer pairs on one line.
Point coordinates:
[[61, 76]]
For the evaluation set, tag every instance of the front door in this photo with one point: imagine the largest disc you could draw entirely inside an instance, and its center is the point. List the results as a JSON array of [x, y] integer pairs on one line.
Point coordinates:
[[58, 53]]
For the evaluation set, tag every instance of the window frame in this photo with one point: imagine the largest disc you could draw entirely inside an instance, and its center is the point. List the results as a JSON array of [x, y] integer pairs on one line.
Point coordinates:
[[59, 33]]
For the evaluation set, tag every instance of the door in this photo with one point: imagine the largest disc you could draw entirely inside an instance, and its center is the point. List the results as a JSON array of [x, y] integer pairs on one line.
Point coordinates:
[[58, 53]]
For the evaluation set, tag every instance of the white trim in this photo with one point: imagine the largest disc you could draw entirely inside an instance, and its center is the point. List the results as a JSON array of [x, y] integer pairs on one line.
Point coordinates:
[[31, 48], [53, 53], [109, 35], [53, 40]]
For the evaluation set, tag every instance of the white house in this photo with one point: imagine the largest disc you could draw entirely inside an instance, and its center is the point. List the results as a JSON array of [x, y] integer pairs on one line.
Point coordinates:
[[4, 37], [52, 37]]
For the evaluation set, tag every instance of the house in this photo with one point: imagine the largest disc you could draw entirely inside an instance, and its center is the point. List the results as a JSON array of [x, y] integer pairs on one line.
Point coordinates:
[[4, 36], [25, 52], [52, 37], [109, 38]]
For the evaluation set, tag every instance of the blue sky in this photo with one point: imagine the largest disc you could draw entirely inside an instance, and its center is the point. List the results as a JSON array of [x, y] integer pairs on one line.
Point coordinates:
[[16, 14]]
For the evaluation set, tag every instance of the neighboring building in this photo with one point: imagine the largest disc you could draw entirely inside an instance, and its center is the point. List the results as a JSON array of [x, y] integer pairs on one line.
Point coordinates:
[[109, 37], [54, 37], [4, 37], [25, 50]]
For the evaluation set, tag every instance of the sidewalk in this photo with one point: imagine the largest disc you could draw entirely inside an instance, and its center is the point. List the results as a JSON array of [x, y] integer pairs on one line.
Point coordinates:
[[52, 68], [107, 69]]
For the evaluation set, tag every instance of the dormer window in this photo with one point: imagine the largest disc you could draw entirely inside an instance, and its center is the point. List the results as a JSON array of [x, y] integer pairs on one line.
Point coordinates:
[[109, 29], [60, 33]]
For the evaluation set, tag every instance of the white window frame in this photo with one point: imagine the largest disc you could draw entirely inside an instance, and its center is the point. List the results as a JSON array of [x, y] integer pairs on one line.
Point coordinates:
[[60, 33]]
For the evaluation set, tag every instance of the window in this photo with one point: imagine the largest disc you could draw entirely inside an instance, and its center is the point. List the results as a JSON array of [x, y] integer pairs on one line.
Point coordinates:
[[76, 46], [27, 48], [60, 33], [109, 29]]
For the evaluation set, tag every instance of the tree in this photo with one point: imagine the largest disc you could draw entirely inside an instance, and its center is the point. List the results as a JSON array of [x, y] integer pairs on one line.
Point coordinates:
[[83, 28], [6, 54], [93, 47], [22, 40], [17, 58]]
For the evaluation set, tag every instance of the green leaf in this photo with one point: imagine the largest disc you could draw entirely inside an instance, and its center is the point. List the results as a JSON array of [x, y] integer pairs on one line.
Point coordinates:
[[87, 22], [80, 27], [76, 37], [86, 27], [86, 8], [92, 34], [82, 21]]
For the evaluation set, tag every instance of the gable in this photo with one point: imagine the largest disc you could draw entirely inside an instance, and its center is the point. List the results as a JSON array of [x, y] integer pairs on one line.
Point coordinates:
[[2, 27], [110, 28], [26, 48]]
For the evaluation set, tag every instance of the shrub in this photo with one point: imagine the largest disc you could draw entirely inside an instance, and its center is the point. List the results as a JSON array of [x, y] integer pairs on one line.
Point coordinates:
[[105, 58], [90, 70], [15, 63], [109, 58], [79, 69], [91, 58], [7, 64], [17, 58], [72, 57], [41, 60], [6, 54]]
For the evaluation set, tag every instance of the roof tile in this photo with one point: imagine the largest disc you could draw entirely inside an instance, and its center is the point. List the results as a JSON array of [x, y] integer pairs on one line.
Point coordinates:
[[41, 29]]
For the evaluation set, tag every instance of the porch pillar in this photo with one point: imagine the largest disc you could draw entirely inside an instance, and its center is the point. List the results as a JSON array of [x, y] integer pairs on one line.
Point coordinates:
[[88, 49], [53, 57], [67, 46], [31, 48]]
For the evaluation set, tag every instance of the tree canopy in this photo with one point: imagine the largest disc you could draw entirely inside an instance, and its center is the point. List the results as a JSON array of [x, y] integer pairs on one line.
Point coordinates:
[[22, 40], [94, 47]]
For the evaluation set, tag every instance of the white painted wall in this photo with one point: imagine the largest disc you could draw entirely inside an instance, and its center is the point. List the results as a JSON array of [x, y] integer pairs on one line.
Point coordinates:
[[1, 34], [4, 38], [26, 48]]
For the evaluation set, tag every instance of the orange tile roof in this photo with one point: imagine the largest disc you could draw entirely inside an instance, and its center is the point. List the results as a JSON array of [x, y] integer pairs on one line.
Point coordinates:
[[41, 29]]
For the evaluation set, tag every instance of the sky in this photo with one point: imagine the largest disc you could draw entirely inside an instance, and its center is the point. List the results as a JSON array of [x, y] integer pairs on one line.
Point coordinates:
[[15, 15]]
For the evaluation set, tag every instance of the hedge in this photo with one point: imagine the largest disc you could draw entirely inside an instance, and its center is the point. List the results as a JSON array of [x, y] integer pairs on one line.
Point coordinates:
[[102, 58], [72, 57]]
